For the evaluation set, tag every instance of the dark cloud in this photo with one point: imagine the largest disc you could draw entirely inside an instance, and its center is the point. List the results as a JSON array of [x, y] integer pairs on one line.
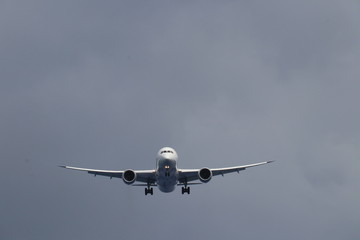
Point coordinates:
[[105, 85]]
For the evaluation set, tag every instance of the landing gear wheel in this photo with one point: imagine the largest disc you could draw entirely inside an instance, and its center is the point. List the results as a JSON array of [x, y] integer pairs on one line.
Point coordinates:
[[185, 190], [149, 190]]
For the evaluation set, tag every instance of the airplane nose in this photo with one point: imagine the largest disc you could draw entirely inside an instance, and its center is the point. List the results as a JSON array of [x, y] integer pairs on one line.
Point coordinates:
[[167, 157], [167, 161]]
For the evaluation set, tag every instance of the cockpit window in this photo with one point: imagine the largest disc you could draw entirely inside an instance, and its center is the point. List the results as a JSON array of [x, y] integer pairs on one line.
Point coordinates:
[[166, 151]]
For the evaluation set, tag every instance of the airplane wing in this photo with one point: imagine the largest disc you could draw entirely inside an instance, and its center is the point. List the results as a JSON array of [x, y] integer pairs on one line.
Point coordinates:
[[141, 175], [187, 175]]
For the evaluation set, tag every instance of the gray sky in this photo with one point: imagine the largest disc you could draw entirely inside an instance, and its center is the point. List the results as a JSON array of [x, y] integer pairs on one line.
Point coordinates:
[[105, 84]]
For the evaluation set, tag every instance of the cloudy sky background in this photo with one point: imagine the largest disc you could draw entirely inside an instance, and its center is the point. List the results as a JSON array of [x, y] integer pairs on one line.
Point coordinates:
[[106, 84]]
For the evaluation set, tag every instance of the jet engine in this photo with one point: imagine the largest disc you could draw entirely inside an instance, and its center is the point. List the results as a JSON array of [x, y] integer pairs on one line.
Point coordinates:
[[129, 176], [205, 175]]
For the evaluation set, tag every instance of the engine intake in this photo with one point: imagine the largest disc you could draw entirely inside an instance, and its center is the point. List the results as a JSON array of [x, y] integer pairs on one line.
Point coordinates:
[[205, 175], [129, 176]]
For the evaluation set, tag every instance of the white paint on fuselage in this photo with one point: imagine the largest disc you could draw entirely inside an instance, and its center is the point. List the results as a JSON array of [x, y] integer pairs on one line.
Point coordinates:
[[166, 169]]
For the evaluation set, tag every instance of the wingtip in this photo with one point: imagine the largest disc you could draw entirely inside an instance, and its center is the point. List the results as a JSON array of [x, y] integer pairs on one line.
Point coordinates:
[[62, 166], [270, 161]]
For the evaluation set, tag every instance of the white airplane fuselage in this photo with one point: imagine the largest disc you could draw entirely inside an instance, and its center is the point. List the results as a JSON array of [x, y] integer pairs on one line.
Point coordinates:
[[166, 169]]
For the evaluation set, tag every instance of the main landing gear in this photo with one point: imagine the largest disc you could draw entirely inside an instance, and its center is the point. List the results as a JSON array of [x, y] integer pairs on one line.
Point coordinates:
[[149, 189], [185, 190]]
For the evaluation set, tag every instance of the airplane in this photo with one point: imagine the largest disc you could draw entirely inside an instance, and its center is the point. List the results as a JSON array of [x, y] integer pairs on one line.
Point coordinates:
[[167, 175]]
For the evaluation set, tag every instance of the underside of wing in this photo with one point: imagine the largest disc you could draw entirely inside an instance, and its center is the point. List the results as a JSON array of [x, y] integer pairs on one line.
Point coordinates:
[[222, 171], [147, 176], [205, 174], [107, 173], [188, 175]]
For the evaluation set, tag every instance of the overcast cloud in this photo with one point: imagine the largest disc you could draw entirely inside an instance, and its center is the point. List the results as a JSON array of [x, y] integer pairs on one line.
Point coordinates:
[[105, 84]]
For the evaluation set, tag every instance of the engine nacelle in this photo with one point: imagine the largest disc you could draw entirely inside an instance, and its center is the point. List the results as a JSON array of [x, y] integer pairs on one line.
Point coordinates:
[[205, 175], [129, 176]]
